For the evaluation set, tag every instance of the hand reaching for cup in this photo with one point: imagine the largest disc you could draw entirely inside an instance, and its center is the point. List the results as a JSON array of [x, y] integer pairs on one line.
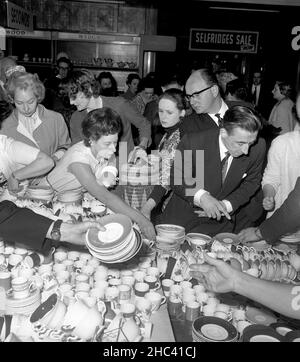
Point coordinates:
[[136, 154], [217, 276], [269, 203]]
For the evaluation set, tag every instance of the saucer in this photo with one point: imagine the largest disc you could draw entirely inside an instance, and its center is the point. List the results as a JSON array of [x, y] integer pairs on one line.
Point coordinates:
[[259, 316], [261, 333], [227, 238]]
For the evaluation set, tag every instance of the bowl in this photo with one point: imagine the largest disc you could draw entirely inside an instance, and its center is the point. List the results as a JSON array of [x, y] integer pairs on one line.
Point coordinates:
[[227, 238]]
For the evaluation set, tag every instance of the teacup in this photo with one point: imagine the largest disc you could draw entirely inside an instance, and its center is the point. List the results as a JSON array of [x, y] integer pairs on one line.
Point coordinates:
[[81, 278], [60, 256], [59, 267], [140, 289], [153, 271], [111, 293], [114, 282], [88, 270], [153, 283], [5, 280], [128, 310], [156, 300], [139, 275], [85, 257], [129, 280], [82, 287], [166, 285], [209, 310], [144, 307], [124, 292], [192, 311]]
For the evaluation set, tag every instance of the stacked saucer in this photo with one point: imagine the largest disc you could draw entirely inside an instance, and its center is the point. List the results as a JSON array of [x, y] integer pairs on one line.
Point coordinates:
[[118, 243], [169, 237], [23, 306], [213, 329], [72, 196], [40, 193]]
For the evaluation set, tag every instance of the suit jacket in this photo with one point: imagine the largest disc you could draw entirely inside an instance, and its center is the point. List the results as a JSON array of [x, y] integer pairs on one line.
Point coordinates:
[[265, 102], [129, 115], [198, 123], [21, 225], [242, 181], [51, 135], [285, 220]]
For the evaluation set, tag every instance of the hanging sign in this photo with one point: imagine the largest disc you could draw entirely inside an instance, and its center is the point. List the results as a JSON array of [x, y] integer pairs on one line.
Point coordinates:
[[18, 17], [231, 41]]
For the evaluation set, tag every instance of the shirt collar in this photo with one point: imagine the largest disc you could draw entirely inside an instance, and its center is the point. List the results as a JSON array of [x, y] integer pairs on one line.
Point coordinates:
[[94, 103], [221, 111]]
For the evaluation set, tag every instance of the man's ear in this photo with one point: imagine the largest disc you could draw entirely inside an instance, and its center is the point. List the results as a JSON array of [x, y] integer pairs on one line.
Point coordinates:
[[223, 132], [215, 90]]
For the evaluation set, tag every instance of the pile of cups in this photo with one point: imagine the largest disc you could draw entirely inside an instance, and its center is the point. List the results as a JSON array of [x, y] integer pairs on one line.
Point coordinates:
[[169, 237]]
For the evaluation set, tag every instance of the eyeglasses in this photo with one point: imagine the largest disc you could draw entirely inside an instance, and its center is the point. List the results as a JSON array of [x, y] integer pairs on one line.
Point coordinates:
[[195, 94], [64, 68]]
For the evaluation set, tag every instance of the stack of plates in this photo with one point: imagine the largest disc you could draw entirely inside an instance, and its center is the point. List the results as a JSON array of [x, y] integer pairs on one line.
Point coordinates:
[[292, 238], [118, 243], [213, 329], [24, 306], [40, 193], [261, 333], [169, 237], [73, 196]]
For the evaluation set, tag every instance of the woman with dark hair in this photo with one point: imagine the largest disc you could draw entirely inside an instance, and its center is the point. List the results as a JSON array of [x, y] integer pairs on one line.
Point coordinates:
[[108, 84], [87, 163], [132, 83], [281, 115], [32, 123], [171, 110]]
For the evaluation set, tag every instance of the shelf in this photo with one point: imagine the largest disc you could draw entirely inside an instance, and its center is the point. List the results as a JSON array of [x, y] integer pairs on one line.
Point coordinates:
[[106, 68], [36, 64]]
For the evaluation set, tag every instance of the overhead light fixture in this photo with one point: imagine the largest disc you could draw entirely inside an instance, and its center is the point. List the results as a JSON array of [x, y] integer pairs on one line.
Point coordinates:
[[243, 9]]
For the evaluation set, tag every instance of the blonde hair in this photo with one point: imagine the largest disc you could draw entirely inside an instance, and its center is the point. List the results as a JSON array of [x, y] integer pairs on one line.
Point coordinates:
[[24, 81]]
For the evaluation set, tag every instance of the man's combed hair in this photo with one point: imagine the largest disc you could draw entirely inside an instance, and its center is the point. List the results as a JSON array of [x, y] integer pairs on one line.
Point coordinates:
[[242, 117], [100, 122]]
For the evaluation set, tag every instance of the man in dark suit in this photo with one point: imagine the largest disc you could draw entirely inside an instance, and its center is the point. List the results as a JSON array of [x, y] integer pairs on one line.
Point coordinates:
[[232, 159], [37, 232], [202, 91], [260, 95]]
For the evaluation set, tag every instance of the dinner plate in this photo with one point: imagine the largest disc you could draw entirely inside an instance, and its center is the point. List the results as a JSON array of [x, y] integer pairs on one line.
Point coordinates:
[[261, 333], [118, 225], [227, 238], [260, 316], [214, 329]]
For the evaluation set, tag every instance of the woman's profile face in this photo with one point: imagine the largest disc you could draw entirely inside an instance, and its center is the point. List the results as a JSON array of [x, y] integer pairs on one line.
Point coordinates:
[[169, 114], [25, 101], [133, 86], [81, 101], [276, 92], [105, 146]]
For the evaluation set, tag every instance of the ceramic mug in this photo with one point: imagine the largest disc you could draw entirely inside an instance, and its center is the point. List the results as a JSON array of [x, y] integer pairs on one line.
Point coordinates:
[[156, 300]]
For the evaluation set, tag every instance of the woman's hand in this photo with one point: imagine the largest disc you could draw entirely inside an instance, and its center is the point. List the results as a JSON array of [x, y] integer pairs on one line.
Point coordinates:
[[269, 203], [147, 208], [13, 184], [147, 229], [137, 153]]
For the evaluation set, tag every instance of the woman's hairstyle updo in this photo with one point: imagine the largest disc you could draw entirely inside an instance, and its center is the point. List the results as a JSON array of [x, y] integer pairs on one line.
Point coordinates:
[[24, 81], [175, 95], [100, 122]]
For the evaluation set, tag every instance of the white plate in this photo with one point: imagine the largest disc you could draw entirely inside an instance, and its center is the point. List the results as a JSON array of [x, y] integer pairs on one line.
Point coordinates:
[[214, 332]]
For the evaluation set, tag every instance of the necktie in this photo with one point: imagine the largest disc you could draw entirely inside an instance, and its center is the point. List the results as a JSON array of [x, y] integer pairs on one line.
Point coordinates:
[[224, 164], [254, 96], [220, 119]]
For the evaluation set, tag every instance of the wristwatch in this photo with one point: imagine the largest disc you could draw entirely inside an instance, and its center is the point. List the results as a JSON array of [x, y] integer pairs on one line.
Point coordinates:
[[55, 232]]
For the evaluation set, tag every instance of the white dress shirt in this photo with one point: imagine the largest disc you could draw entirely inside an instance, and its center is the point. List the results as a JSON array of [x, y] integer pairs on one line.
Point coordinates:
[[221, 112], [199, 193]]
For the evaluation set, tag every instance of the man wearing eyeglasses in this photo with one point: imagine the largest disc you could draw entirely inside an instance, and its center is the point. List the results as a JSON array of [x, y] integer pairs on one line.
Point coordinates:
[[202, 91]]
